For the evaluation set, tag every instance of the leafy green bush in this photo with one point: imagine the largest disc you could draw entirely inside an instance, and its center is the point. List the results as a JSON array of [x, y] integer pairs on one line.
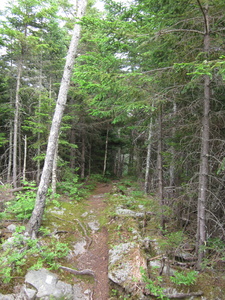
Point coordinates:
[[184, 278], [23, 204], [154, 286]]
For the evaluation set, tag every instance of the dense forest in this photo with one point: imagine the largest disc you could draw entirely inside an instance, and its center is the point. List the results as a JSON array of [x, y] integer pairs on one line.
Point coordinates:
[[146, 100]]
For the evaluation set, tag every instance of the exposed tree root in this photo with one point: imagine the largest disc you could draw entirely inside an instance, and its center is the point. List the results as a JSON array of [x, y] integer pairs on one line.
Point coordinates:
[[79, 272]]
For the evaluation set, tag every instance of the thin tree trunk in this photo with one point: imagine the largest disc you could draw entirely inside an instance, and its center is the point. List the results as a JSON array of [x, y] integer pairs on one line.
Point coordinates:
[[83, 149], [37, 214], [89, 161], [148, 159], [16, 123], [204, 164], [72, 149], [172, 149], [25, 158], [106, 151], [10, 152], [54, 168], [39, 121], [160, 170]]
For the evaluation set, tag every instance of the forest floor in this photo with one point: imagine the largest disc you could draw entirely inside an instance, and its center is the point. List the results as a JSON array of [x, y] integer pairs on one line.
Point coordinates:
[[91, 228]]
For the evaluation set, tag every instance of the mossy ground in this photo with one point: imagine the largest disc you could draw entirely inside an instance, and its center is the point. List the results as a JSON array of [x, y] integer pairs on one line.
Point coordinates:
[[64, 222]]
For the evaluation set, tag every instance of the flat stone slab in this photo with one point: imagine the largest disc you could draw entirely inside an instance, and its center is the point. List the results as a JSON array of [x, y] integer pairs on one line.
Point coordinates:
[[128, 213], [46, 283]]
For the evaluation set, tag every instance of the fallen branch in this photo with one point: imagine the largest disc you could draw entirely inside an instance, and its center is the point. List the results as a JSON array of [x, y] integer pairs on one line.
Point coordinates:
[[22, 188], [156, 257], [77, 272], [179, 295], [63, 219], [184, 295]]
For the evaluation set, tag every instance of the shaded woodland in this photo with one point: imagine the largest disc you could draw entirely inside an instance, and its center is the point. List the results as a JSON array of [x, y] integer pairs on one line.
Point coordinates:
[[146, 100]]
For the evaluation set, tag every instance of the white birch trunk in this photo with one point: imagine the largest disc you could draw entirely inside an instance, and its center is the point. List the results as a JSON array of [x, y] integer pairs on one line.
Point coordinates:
[[54, 169], [25, 158], [36, 218]]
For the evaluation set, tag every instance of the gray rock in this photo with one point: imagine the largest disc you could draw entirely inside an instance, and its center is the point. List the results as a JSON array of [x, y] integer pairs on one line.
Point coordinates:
[[27, 293], [79, 247], [118, 251], [94, 225], [85, 214], [8, 244], [99, 196], [129, 213], [58, 211], [48, 285], [7, 297], [78, 294], [11, 227], [125, 261]]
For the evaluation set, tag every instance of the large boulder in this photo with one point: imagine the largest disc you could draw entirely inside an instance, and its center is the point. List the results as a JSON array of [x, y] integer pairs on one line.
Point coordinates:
[[125, 262]]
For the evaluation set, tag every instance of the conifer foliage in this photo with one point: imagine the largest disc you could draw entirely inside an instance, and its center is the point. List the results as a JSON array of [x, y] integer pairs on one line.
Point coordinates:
[[146, 99]]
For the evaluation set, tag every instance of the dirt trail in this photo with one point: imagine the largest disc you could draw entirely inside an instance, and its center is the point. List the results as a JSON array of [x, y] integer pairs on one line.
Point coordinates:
[[96, 258]]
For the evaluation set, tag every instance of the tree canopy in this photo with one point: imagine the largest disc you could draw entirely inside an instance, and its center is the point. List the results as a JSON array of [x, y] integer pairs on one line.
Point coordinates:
[[146, 99]]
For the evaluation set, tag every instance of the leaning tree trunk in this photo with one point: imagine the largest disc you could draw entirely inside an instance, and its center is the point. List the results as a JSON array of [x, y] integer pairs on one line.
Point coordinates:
[[36, 218], [204, 164], [54, 168]]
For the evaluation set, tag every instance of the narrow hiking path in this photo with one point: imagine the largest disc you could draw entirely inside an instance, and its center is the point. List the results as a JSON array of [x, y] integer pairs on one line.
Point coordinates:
[[96, 256]]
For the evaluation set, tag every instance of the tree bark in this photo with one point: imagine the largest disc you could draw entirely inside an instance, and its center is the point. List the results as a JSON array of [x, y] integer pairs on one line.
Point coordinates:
[[16, 123], [149, 148], [25, 158], [36, 218], [204, 164], [10, 152], [172, 149], [54, 168], [106, 152]]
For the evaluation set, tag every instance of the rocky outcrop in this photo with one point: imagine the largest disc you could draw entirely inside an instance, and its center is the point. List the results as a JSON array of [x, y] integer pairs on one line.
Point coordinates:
[[125, 262], [45, 285]]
